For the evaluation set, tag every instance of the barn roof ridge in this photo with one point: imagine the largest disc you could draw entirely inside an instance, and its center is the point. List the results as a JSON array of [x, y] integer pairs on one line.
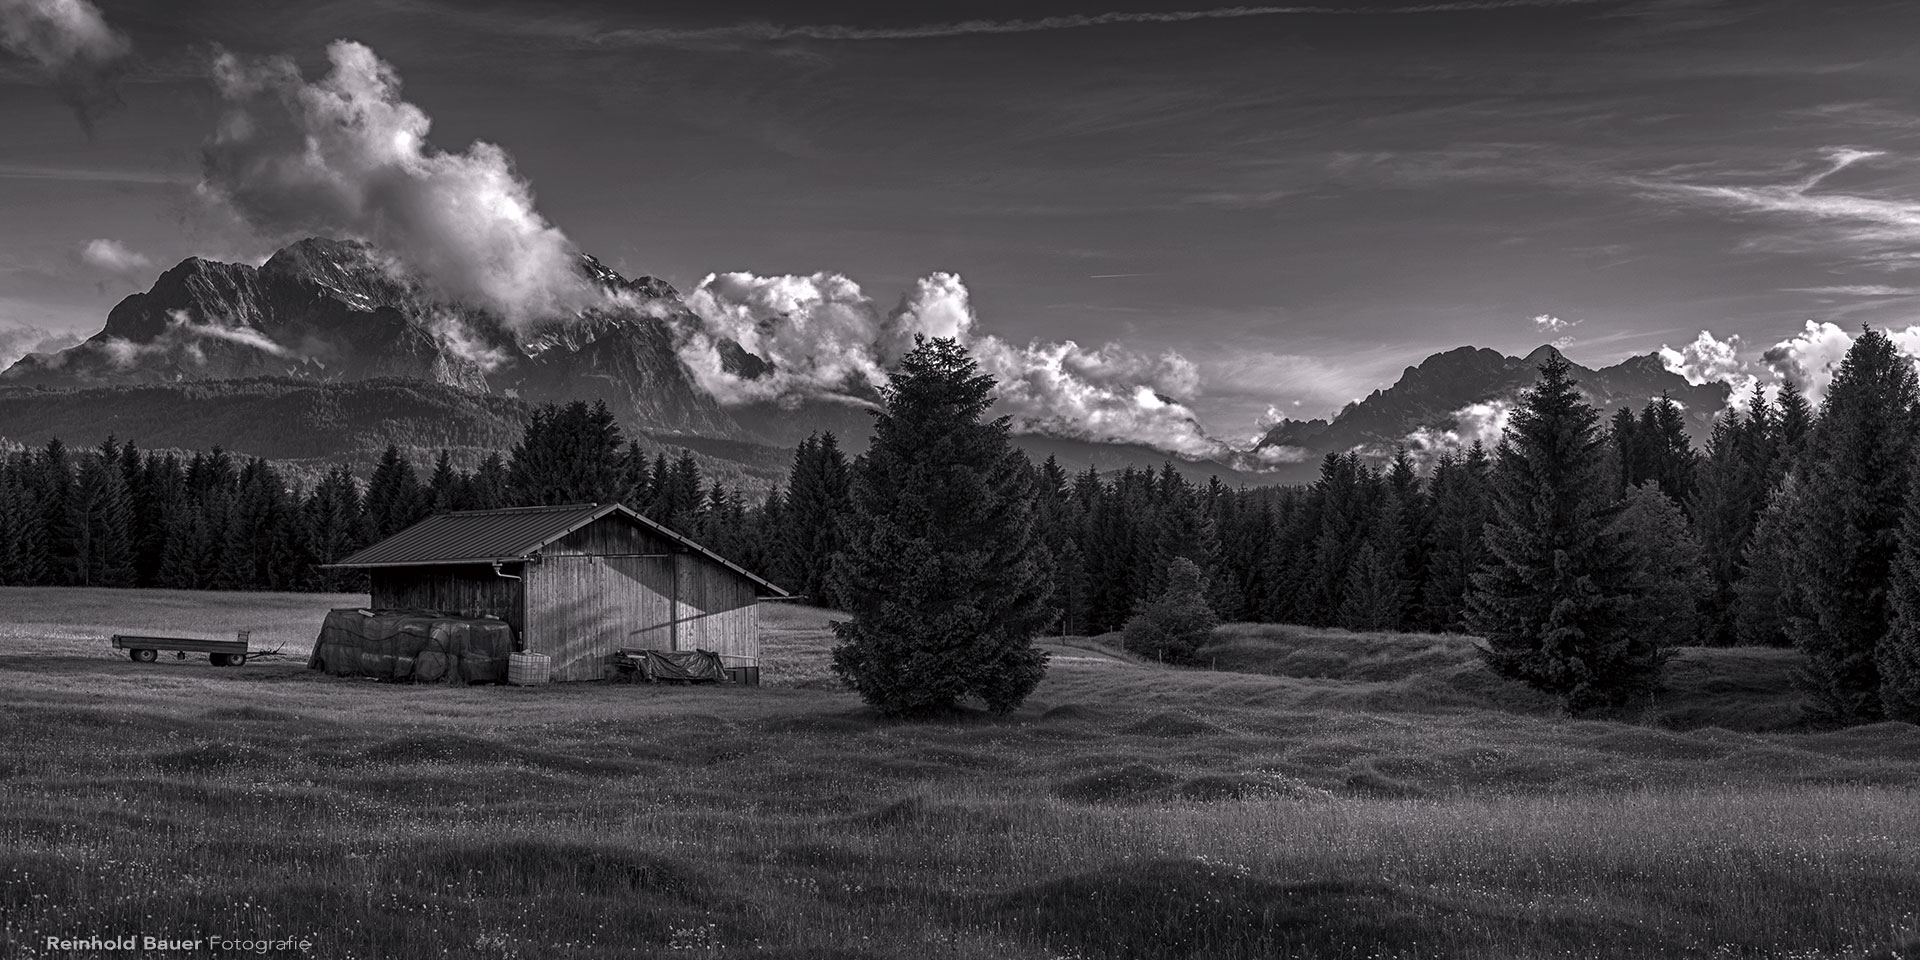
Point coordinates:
[[440, 540]]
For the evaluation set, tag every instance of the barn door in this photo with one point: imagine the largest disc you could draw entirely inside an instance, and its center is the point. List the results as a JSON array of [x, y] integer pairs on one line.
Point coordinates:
[[587, 607]]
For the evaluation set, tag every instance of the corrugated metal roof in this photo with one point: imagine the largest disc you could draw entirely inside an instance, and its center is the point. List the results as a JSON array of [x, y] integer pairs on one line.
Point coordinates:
[[512, 534]]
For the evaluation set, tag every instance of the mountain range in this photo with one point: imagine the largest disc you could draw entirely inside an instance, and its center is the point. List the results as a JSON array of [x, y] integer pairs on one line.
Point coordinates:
[[328, 349], [1455, 397]]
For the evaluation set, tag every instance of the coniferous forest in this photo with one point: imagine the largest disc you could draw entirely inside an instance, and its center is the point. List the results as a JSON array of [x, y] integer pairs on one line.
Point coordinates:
[[1581, 550]]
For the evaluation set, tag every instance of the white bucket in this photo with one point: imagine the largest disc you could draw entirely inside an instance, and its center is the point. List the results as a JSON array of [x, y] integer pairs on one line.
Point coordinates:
[[526, 669]]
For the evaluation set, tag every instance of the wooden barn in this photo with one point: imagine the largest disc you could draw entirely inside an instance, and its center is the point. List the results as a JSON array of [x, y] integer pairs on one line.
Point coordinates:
[[575, 582]]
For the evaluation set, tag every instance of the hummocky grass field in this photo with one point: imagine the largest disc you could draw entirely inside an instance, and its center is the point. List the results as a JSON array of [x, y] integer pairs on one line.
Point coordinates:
[[1313, 794]]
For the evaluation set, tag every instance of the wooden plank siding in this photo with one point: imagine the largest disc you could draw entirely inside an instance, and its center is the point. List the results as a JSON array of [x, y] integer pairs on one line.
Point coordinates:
[[612, 586], [466, 590]]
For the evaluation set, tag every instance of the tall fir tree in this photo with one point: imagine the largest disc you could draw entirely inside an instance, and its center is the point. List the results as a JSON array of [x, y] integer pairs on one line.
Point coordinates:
[[100, 521], [394, 500], [1897, 655], [1556, 599], [569, 454], [817, 498], [443, 493], [1377, 586], [943, 575], [1456, 543], [1729, 492], [23, 552], [1765, 601], [332, 527], [1857, 460], [1671, 580]]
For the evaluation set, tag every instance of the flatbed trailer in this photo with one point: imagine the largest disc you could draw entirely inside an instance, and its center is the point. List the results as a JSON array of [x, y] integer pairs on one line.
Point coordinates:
[[223, 653]]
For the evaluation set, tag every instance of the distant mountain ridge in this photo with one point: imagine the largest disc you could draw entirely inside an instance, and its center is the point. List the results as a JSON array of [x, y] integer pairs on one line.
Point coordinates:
[[337, 314], [333, 311], [1432, 397]]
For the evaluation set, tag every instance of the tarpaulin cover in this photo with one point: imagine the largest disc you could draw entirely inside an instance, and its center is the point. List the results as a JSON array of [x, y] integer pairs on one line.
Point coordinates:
[[417, 645], [677, 664]]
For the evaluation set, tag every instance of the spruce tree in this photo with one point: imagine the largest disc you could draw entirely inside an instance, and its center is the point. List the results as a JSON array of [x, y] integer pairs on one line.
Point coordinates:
[[100, 519], [1766, 603], [23, 554], [1728, 493], [1666, 454], [487, 490], [1666, 565], [53, 489], [1898, 654], [1857, 461], [1456, 543], [1794, 424], [394, 499], [570, 454], [1556, 599], [1377, 588], [331, 526], [816, 500], [942, 573], [443, 491]]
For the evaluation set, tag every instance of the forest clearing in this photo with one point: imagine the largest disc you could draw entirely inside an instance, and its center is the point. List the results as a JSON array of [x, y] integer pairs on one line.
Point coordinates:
[[1318, 794]]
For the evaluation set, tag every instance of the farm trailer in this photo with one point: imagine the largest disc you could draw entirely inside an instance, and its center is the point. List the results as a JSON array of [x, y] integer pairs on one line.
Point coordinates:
[[223, 653]]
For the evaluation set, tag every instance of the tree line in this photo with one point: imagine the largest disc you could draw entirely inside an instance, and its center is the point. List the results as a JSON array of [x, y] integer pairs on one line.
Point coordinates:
[[1581, 550], [115, 516]]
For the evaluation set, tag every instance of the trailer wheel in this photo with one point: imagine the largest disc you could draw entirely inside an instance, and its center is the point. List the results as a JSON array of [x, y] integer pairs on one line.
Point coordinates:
[[145, 655], [133, 654], [227, 659]]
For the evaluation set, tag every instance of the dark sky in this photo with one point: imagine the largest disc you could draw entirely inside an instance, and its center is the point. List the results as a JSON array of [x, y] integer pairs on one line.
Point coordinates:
[[1300, 201]]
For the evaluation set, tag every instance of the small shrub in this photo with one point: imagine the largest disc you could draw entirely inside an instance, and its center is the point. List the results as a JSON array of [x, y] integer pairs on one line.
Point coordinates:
[[1172, 627]]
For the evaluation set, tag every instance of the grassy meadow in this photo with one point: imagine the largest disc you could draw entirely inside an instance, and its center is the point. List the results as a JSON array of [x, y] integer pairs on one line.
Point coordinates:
[[1312, 794]]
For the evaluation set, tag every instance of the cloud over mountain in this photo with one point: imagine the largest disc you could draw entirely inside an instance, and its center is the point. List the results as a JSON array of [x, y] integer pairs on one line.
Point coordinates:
[[71, 43], [825, 338], [345, 155]]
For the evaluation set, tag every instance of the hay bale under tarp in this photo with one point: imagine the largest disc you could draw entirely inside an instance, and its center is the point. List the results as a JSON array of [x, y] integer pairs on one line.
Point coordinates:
[[423, 646]]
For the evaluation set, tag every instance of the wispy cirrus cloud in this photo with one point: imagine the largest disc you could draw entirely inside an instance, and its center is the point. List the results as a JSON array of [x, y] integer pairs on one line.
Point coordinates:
[[764, 31], [10, 171], [1876, 228]]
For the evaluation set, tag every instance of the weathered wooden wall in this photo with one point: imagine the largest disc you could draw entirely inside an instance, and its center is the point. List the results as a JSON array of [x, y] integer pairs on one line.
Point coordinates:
[[612, 586], [466, 590]]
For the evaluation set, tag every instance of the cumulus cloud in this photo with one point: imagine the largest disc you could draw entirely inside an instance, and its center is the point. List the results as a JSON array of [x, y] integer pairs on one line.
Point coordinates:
[[1810, 358], [1483, 422], [1109, 394], [19, 340], [345, 155], [1709, 359], [825, 338], [821, 333], [117, 260], [1548, 323], [71, 43]]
